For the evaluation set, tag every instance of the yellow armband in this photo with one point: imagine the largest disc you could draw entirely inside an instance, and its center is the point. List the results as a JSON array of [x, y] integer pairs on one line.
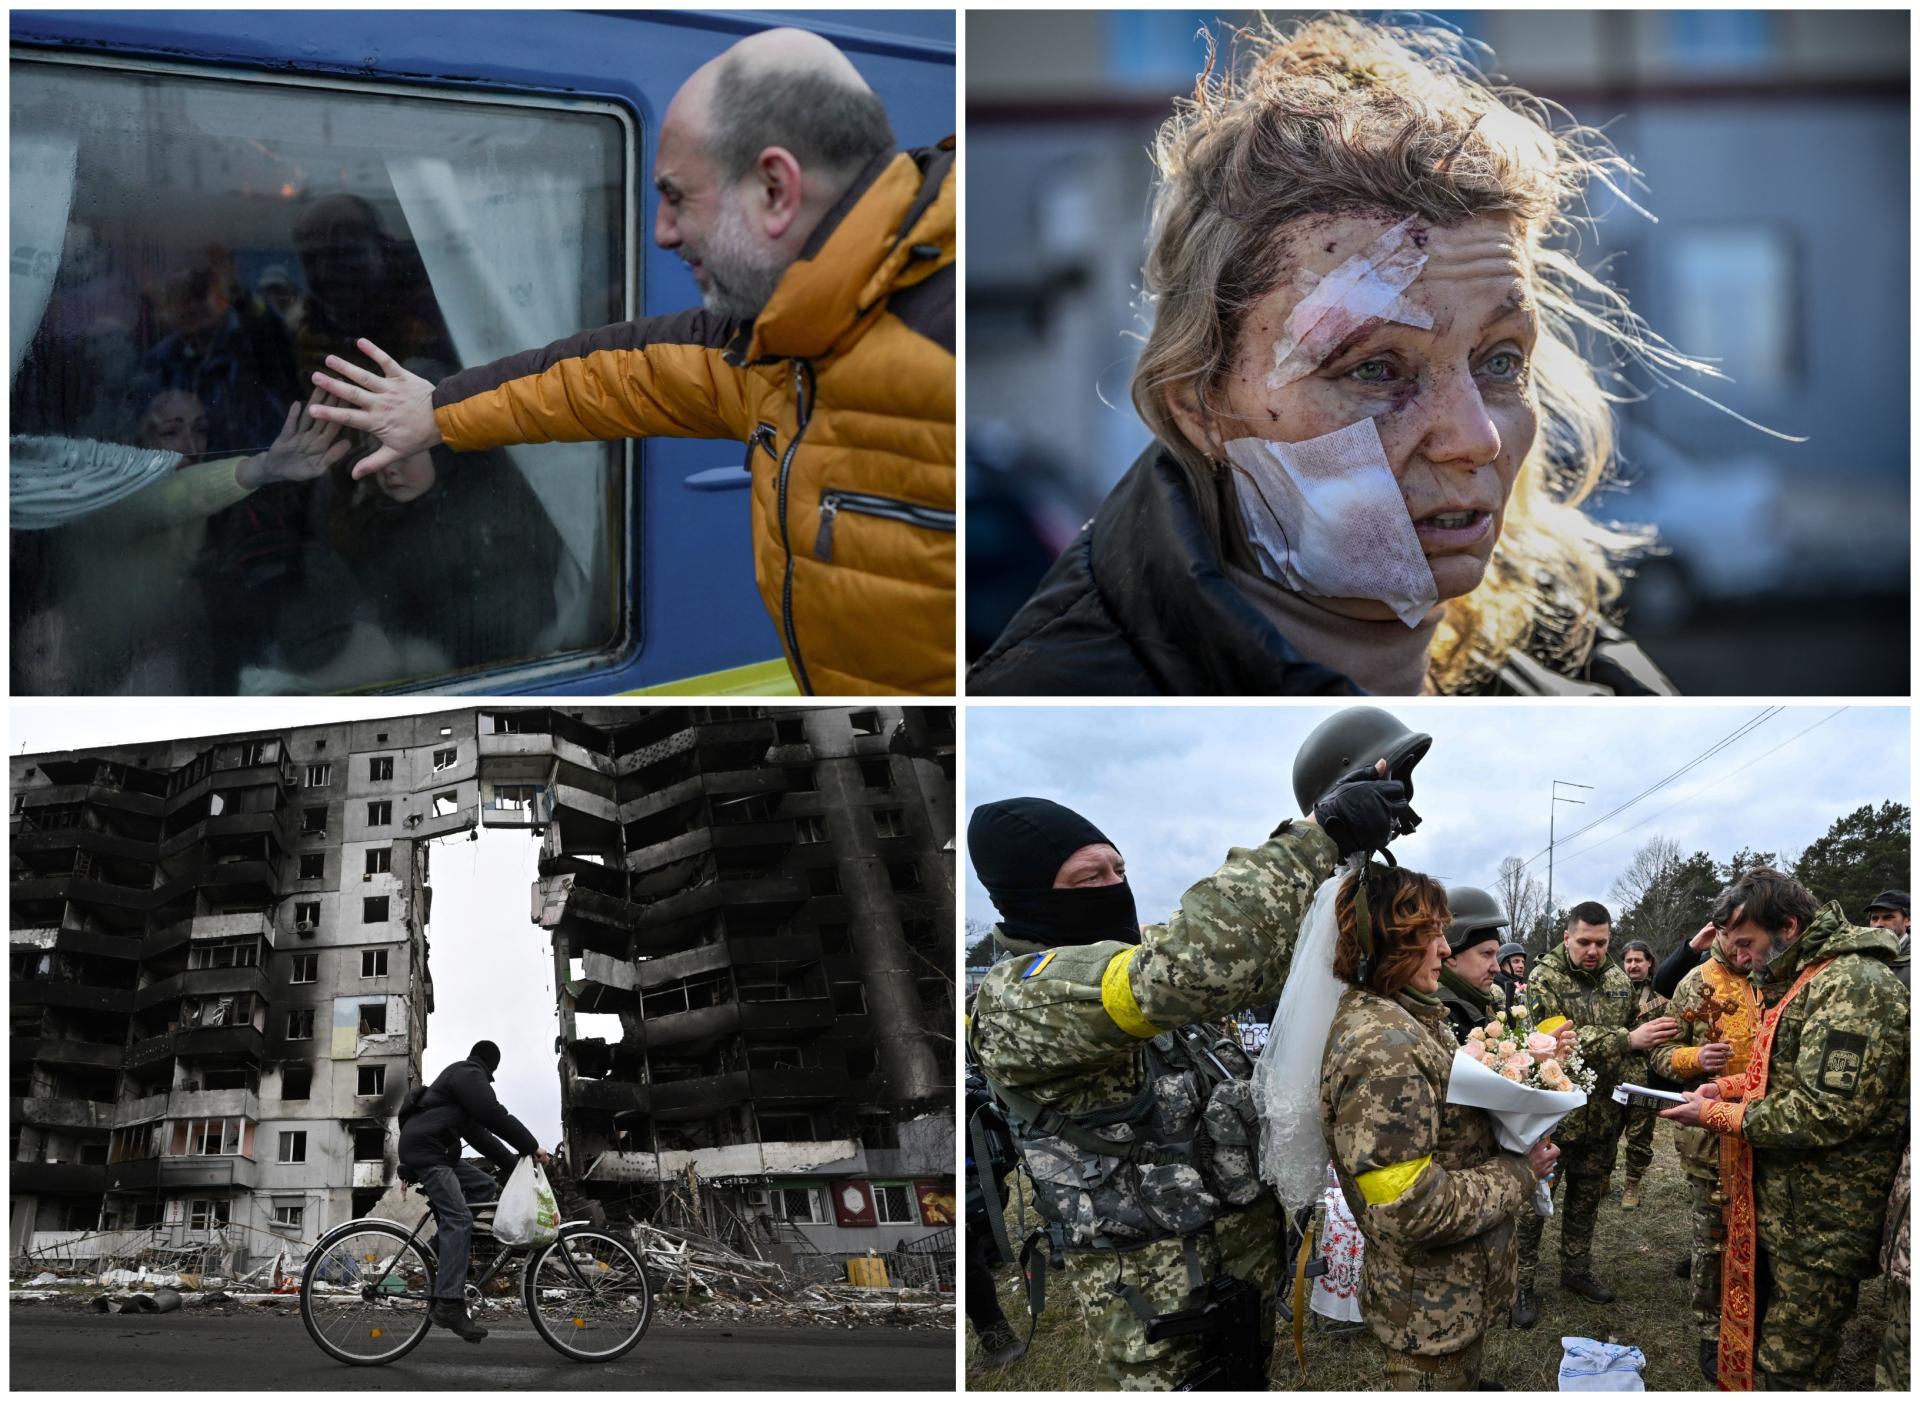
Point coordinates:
[[1388, 1184], [1116, 995]]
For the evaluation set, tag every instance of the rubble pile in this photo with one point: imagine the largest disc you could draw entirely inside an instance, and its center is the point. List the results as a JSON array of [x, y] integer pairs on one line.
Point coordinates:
[[694, 1272]]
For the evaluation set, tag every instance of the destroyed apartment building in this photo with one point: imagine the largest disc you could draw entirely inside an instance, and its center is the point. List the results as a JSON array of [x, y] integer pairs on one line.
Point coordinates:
[[218, 977], [751, 912], [220, 982]]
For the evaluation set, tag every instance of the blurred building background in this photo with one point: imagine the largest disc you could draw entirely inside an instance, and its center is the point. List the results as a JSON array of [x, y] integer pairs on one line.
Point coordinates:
[[1774, 148]]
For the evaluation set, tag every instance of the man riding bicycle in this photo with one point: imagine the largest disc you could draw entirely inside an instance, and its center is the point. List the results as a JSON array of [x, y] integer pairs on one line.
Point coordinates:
[[460, 1104]]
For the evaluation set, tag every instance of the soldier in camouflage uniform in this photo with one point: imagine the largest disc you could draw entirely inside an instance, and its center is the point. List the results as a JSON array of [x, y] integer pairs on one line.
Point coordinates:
[[1637, 959], [1469, 986], [1827, 1135], [1141, 1157], [1890, 1373], [1718, 1008], [1576, 981], [1428, 1185]]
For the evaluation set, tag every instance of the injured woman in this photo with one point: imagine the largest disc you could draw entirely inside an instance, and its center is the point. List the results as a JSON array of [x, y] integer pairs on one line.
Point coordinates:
[[1374, 429]]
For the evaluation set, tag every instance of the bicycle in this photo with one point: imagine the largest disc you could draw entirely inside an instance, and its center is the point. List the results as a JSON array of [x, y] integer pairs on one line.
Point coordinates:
[[365, 1292]]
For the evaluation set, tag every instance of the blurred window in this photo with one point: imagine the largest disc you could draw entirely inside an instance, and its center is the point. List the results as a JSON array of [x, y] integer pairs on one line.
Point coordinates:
[[187, 249], [1718, 40], [1732, 299]]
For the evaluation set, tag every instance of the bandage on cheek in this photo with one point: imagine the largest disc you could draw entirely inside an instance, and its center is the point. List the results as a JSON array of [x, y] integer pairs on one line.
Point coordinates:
[[1368, 285], [1326, 518]]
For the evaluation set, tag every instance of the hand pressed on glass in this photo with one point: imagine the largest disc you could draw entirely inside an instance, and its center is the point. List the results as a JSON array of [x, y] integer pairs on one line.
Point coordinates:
[[396, 407], [305, 448]]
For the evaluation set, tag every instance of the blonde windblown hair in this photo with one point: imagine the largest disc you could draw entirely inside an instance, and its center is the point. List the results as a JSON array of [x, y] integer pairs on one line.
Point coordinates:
[[1340, 115]]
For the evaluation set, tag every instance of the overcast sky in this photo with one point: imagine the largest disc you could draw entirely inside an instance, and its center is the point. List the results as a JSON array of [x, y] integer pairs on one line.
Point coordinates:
[[1175, 787], [492, 971]]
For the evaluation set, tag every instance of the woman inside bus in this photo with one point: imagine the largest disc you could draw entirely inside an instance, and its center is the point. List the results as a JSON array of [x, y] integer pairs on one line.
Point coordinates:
[[1373, 429]]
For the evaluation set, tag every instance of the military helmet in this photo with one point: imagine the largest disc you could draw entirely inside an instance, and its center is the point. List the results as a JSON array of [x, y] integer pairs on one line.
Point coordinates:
[[1475, 913], [1353, 741], [1507, 951]]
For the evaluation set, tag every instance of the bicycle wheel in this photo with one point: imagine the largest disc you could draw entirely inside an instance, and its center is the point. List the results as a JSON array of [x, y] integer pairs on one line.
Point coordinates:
[[365, 1293], [588, 1296]]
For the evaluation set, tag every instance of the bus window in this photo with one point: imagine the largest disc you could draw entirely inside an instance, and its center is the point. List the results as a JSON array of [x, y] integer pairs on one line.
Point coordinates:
[[187, 249]]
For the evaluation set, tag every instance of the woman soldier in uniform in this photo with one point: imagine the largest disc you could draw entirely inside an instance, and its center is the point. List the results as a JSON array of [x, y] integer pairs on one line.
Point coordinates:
[[1373, 427], [1433, 1194]]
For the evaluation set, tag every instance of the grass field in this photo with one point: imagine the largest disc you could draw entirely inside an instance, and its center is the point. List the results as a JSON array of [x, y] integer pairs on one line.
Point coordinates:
[[1634, 1253]]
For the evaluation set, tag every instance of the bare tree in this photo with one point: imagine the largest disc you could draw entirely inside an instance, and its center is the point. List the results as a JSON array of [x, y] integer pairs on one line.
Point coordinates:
[[1651, 865], [1523, 896]]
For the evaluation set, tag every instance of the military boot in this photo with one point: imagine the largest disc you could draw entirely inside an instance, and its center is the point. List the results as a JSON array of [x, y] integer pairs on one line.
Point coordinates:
[[1581, 1281], [1630, 1194], [1000, 1346], [1526, 1308]]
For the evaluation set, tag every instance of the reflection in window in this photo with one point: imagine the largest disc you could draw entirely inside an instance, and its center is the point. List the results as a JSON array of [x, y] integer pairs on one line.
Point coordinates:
[[187, 250]]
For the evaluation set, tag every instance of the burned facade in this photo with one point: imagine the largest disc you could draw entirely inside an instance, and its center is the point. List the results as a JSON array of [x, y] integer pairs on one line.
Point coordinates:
[[218, 983], [751, 911]]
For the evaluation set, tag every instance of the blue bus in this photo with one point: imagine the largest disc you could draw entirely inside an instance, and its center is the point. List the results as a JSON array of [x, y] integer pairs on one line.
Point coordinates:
[[207, 203]]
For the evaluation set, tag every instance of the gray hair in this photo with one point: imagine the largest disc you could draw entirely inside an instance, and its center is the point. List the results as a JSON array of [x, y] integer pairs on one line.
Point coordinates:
[[827, 124]]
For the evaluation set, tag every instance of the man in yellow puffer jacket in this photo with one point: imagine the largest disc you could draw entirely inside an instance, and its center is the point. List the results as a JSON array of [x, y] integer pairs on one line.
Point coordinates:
[[826, 263]]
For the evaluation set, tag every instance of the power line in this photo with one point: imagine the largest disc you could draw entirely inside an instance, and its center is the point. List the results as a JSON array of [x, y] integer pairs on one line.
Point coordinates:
[[1739, 732], [1594, 846]]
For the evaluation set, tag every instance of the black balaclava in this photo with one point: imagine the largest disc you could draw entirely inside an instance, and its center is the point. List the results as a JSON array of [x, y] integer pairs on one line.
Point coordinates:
[[1018, 846], [487, 1054]]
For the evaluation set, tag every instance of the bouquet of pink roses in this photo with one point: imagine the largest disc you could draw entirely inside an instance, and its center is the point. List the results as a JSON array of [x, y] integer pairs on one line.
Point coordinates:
[[1517, 1073]]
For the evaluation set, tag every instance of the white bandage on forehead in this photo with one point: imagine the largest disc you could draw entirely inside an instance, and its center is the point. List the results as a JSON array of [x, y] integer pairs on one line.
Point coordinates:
[[1326, 518], [1367, 285]]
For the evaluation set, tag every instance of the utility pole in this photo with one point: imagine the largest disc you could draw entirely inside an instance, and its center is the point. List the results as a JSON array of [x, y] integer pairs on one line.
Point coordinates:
[[1553, 810]]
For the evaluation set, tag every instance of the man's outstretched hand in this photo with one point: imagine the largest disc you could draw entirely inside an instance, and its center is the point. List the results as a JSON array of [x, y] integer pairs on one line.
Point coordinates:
[[395, 406]]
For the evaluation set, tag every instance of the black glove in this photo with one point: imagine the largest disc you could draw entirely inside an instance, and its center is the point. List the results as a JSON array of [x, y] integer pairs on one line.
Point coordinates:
[[1365, 813]]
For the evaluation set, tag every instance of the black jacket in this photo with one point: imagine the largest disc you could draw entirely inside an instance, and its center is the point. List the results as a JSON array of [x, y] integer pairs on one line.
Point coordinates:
[[1141, 604], [461, 1104]]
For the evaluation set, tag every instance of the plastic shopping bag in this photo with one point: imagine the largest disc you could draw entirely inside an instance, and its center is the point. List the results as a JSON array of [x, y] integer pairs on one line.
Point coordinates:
[[1586, 1365], [527, 1214]]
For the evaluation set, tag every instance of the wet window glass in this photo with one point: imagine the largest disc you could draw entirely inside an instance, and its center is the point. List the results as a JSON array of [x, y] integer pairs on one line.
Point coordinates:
[[186, 251]]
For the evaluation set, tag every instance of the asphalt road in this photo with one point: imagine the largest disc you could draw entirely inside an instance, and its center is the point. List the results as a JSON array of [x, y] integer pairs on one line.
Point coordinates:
[[57, 1349]]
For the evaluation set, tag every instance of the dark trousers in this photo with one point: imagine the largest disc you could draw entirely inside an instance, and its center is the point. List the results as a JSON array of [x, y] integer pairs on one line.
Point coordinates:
[[450, 1189], [983, 1303]]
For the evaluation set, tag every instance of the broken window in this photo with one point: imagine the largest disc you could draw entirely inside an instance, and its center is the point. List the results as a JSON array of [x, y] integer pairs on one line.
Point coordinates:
[[446, 804], [300, 1024], [296, 1081], [890, 822], [373, 1019], [823, 880], [510, 797], [445, 759], [288, 1217], [508, 722], [894, 1204], [293, 1146], [799, 1204], [369, 1144], [789, 731], [380, 770], [206, 1215], [406, 217], [212, 1138], [373, 909], [313, 867], [850, 998], [864, 722], [373, 963], [224, 953], [373, 1079], [776, 1058], [313, 820], [879, 1130], [904, 876], [800, 780], [862, 1061], [379, 814], [785, 1128], [810, 829], [379, 860], [319, 775], [876, 773], [306, 914]]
